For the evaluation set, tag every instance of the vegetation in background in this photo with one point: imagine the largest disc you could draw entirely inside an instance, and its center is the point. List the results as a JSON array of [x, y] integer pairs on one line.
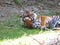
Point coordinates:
[[17, 2]]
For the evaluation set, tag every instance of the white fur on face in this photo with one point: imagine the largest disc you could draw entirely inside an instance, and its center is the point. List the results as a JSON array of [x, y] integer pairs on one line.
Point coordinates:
[[27, 18], [34, 16]]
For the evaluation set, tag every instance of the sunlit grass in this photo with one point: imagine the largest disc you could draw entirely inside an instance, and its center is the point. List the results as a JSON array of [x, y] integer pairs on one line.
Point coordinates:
[[28, 40]]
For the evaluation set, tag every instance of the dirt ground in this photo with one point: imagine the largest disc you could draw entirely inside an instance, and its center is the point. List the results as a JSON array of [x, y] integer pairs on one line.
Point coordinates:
[[6, 12]]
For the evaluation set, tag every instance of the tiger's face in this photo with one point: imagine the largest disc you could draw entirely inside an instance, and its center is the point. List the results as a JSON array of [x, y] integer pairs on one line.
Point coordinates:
[[28, 22]]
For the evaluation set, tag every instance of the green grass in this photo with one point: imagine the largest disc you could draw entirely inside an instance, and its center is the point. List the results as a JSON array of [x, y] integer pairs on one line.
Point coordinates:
[[13, 28], [17, 2]]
